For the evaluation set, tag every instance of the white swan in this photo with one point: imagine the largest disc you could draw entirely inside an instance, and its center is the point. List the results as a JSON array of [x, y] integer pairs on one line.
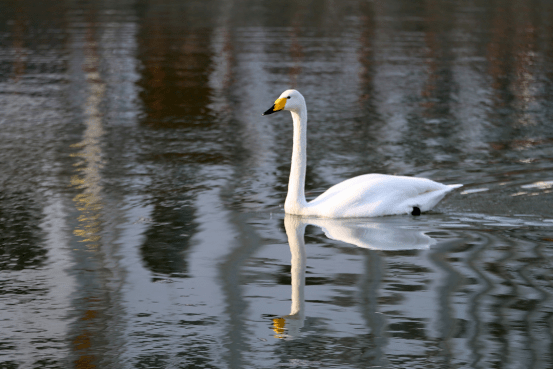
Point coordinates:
[[369, 195]]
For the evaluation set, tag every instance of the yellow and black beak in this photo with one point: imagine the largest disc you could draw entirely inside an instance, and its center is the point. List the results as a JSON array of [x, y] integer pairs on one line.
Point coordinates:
[[277, 106]]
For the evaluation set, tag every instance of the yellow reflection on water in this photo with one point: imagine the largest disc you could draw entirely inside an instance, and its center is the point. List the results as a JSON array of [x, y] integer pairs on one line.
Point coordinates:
[[89, 201], [278, 327]]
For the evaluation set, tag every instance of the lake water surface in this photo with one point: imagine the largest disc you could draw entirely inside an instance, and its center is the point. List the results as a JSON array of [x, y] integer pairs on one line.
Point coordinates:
[[141, 190]]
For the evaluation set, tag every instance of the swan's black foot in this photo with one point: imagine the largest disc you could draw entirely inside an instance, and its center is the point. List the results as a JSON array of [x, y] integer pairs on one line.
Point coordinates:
[[416, 211]]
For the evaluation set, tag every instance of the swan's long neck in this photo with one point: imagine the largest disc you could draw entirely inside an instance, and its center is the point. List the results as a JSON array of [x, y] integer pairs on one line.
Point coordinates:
[[295, 200]]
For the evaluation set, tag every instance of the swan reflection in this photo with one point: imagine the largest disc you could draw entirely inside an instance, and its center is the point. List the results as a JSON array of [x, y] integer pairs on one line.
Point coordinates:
[[387, 234]]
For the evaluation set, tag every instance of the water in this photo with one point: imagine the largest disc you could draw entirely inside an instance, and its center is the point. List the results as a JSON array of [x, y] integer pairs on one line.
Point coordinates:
[[141, 191]]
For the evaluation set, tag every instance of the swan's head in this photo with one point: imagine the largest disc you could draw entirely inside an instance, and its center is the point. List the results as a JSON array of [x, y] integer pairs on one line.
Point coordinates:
[[288, 100]]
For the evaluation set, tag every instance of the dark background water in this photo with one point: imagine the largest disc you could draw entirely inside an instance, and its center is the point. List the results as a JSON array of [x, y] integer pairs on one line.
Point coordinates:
[[141, 192]]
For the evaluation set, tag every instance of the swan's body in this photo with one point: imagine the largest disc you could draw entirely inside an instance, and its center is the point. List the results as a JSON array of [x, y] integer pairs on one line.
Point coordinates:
[[369, 195]]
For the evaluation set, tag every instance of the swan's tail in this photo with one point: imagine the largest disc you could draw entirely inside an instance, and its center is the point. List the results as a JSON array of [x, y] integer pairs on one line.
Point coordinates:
[[427, 200]]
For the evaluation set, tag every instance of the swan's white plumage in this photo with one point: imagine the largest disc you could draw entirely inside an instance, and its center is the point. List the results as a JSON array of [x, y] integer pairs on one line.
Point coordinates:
[[373, 195], [369, 195]]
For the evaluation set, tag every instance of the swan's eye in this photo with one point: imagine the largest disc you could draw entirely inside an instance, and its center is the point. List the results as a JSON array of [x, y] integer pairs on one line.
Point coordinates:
[[289, 97]]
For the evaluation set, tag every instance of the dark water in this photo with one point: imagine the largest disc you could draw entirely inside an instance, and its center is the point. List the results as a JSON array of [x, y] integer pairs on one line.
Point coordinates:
[[141, 192]]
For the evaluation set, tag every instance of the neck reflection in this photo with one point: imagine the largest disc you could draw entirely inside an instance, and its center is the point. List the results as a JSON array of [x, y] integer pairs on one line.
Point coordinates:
[[290, 325], [386, 234]]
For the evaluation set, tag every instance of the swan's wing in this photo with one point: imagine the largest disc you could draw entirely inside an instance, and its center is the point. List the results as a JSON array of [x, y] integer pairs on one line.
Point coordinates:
[[377, 195]]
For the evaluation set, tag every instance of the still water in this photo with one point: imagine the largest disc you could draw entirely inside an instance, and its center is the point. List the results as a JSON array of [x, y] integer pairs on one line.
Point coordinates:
[[141, 191]]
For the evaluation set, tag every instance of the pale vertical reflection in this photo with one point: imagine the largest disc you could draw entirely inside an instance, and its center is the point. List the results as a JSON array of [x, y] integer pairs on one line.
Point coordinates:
[[438, 91], [252, 89], [395, 83], [450, 282], [234, 303], [221, 82], [369, 288], [473, 92], [89, 201], [290, 325], [221, 77]]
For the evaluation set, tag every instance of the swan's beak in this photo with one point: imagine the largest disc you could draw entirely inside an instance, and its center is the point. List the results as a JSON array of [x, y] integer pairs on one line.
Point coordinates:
[[277, 106], [270, 111]]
